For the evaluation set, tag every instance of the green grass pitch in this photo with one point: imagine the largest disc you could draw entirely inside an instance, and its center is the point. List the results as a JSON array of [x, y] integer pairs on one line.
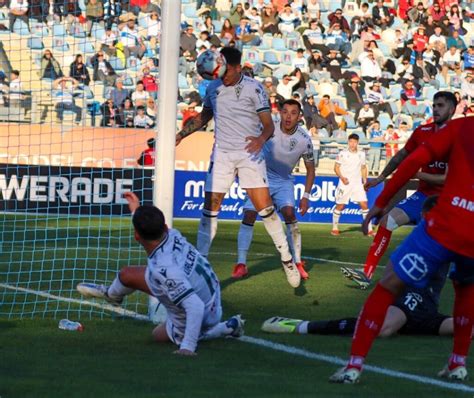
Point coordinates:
[[115, 357]]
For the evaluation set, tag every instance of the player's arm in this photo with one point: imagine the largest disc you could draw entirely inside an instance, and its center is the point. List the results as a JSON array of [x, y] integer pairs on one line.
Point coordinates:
[[364, 173], [255, 144], [195, 124], [437, 148], [308, 185], [337, 170], [389, 168], [194, 308], [433, 179]]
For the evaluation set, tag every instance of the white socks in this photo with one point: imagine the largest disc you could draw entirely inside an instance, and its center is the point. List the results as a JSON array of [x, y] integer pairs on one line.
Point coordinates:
[[117, 290], [220, 330], [302, 327], [206, 231], [364, 215], [244, 240], [336, 215], [293, 234], [273, 225]]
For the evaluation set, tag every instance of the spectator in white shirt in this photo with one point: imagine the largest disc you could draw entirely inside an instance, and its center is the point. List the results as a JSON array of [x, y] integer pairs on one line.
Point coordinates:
[[452, 58], [18, 10], [438, 40], [467, 87], [285, 87], [108, 41], [16, 89], [300, 62], [140, 96], [313, 10], [203, 40], [153, 29], [369, 68], [255, 20], [287, 20], [129, 37], [141, 119], [64, 97]]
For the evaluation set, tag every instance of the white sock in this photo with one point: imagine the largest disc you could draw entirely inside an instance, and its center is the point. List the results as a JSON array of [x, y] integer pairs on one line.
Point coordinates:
[[293, 235], [117, 290], [220, 330], [273, 225], [244, 239], [206, 231], [302, 327], [364, 215], [336, 215]]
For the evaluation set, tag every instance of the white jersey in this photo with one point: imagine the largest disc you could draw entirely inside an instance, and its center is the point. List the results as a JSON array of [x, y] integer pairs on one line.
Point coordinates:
[[236, 110], [283, 151], [351, 165], [177, 270]]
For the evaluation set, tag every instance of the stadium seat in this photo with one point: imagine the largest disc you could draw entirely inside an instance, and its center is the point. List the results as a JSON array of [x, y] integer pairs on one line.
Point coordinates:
[[189, 11], [351, 124], [281, 70], [293, 43], [217, 26], [287, 58], [395, 91], [278, 44], [384, 120], [39, 29], [133, 64], [98, 31], [250, 55], [59, 44], [429, 92], [271, 57], [20, 28], [35, 43], [182, 82], [116, 63], [86, 47], [58, 30], [143, 21], [77, 30]]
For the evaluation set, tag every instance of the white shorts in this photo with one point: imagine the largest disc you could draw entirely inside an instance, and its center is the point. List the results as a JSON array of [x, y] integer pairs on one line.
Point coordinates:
[[282, 193], [225, 166], [353, 192], [175, 326]]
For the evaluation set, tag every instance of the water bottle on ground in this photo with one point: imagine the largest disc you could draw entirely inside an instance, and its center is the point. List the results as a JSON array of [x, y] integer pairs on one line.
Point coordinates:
[[66, 324]]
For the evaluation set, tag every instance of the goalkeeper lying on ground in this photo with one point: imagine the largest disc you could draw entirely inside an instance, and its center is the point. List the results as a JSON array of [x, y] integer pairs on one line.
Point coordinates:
[[178, 276]]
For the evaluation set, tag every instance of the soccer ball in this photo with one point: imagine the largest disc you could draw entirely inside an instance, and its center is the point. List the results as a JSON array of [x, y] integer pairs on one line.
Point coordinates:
[[211, 65], [156, 311]]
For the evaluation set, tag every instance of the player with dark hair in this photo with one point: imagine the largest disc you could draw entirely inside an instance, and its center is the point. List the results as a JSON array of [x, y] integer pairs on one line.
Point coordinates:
[[243, 123], [407, 211], [445, 235], [351, 169], [414, 312], [147, 157], [176, 274], [282, 151]]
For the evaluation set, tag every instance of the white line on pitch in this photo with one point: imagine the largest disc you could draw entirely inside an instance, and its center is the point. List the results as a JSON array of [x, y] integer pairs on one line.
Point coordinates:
[[108, 307], [339, 361], [262, 343]]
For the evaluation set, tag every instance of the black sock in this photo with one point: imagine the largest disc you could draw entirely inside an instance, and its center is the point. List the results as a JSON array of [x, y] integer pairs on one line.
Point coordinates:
[[339, 326]]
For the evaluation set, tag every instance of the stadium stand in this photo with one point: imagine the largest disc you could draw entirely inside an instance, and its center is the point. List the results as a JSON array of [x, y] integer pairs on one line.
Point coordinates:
[[342, 41]]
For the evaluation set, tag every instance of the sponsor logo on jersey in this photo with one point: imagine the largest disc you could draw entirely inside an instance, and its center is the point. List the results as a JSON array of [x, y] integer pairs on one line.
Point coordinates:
[[463, 203]]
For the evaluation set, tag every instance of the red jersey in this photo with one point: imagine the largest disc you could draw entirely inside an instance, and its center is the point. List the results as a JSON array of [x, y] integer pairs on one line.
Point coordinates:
[[451, 221], [148, 157], [419, 136]]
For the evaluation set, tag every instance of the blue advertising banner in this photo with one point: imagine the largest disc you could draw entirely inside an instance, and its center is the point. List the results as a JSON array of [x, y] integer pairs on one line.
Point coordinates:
[[189, 199], [99, 191]]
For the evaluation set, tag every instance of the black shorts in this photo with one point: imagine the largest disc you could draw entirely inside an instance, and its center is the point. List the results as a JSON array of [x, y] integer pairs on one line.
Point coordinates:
[[421, 312]]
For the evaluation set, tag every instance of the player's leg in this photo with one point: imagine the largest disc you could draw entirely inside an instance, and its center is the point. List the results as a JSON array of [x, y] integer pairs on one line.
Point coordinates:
[[408, 210], [463, 314], [160, 335], [253, 177], [412, 263], [278, 324], [220, 176], [447, 327], [244, 239], [365, 210], [394, 321], [208, 224], [389, 223], [293, 235], [126, 282], [336, 215]]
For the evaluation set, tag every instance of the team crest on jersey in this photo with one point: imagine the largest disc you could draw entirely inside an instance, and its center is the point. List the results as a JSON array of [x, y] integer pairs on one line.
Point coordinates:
[[170, 284], [293, 143], [238, 90], [162, 271]]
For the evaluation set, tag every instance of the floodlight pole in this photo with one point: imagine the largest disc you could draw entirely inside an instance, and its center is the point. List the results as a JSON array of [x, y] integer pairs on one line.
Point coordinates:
[[163, 187]]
